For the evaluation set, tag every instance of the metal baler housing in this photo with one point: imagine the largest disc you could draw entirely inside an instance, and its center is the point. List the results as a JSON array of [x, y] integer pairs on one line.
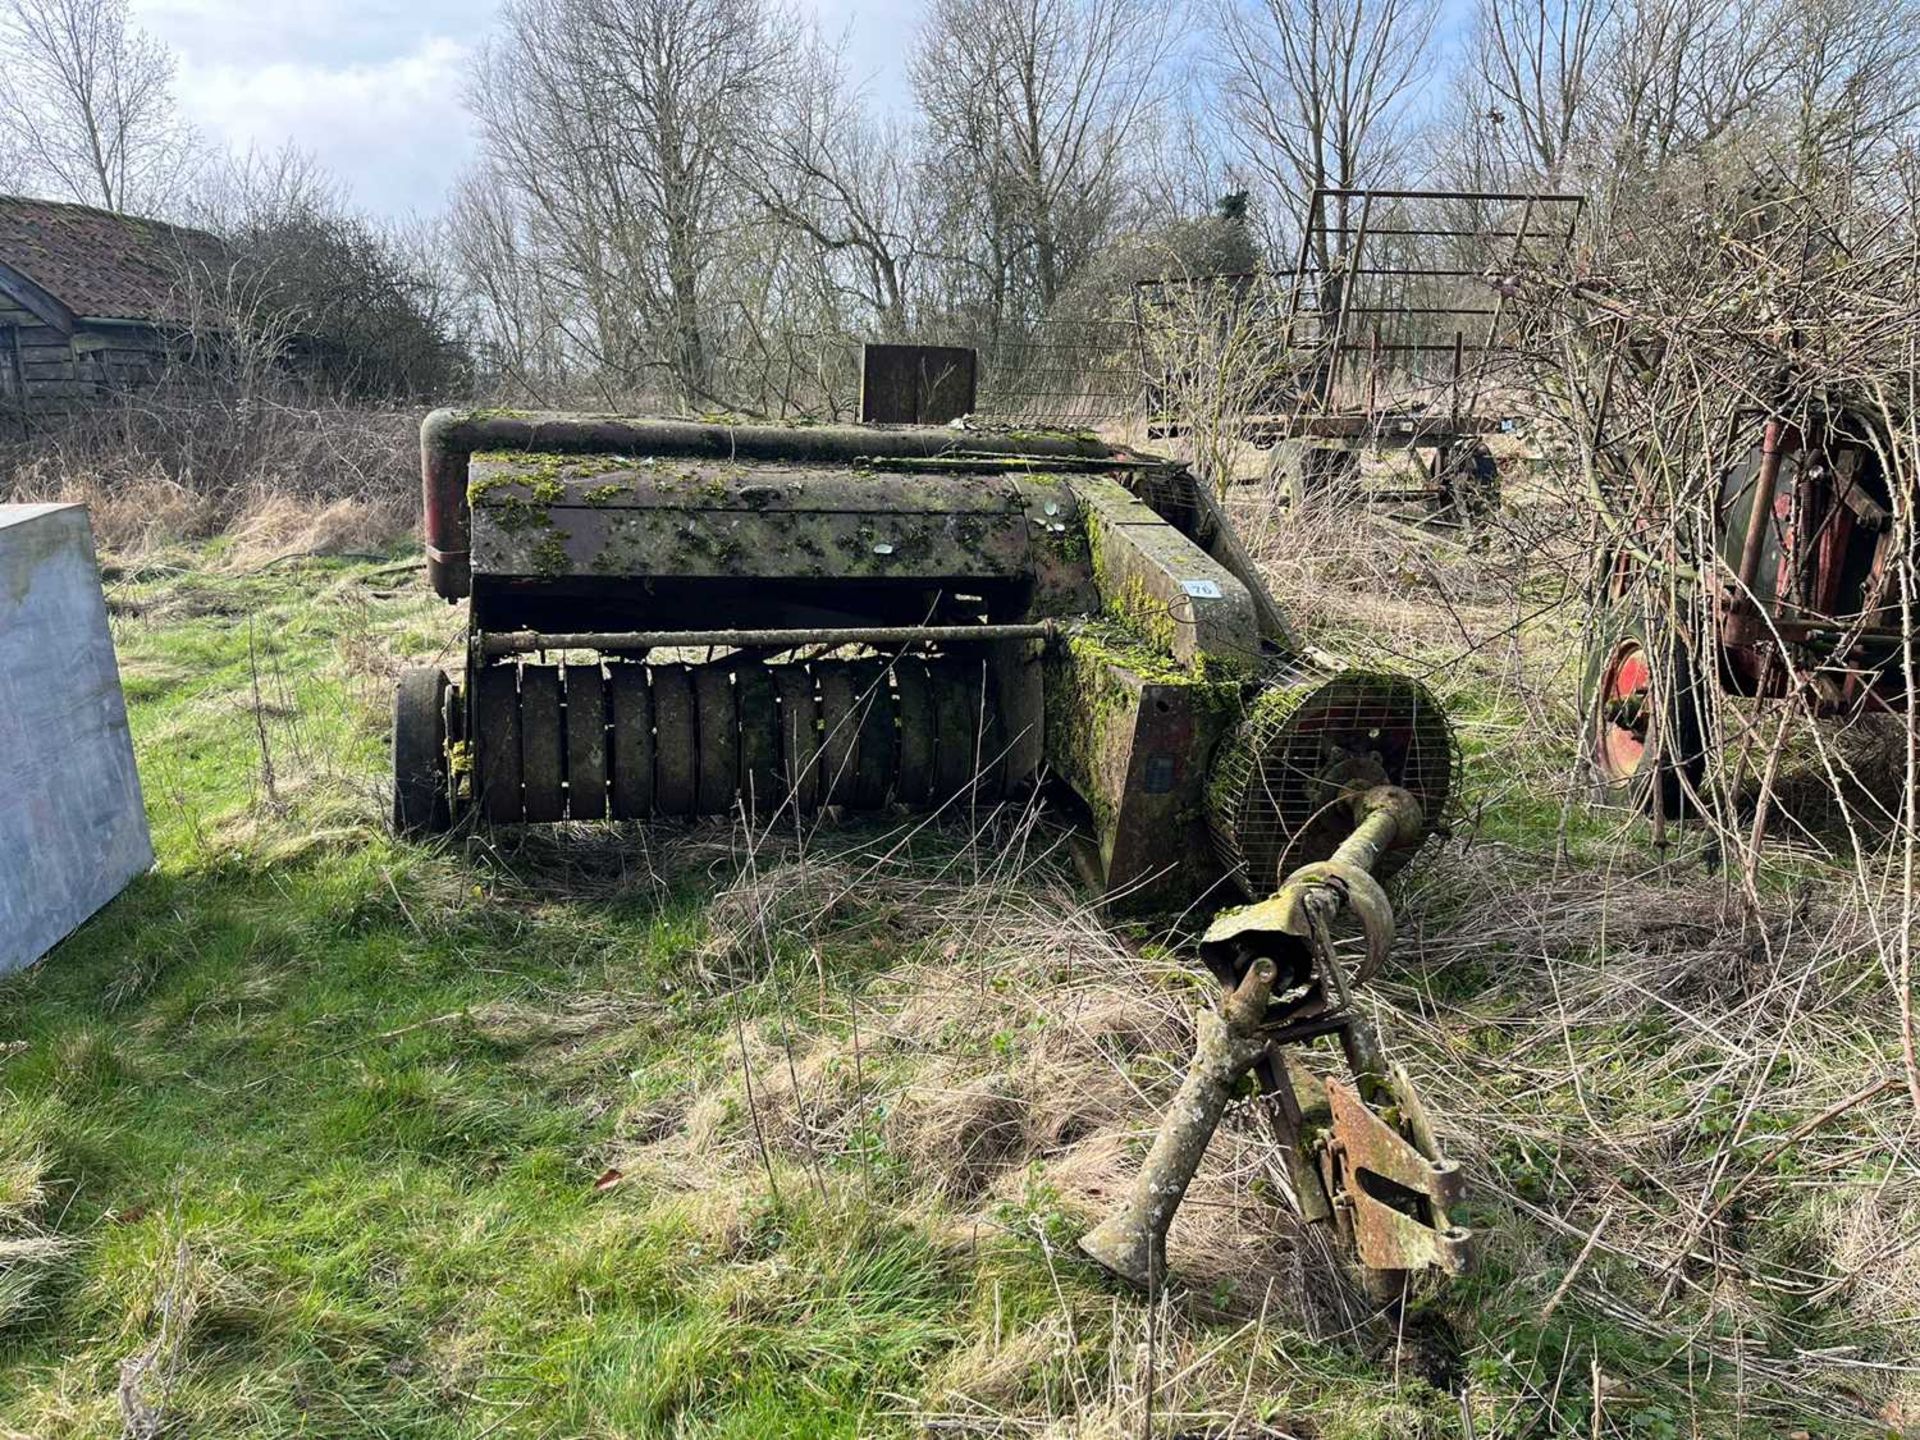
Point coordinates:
[[1115, 628]]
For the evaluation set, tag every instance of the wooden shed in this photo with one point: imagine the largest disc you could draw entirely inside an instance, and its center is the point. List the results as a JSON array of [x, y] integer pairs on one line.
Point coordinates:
[[90, 302]]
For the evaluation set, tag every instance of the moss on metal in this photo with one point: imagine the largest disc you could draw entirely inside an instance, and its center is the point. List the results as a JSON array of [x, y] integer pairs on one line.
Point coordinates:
[[542, 473], [550, 556]]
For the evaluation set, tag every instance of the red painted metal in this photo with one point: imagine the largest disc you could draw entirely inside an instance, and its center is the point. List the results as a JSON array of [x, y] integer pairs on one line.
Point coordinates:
[[1810, 548], [1625, 691]]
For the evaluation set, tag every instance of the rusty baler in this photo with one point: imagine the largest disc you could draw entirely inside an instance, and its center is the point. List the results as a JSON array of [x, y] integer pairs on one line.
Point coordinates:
[[675, 619]]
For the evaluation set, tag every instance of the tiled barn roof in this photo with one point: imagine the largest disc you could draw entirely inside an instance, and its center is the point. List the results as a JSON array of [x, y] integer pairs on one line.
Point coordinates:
[[101, 265]]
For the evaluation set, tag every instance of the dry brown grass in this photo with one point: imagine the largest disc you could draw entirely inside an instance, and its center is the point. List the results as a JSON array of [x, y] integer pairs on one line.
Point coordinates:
[[1024, 1044], [27, 1251], [280, 477]]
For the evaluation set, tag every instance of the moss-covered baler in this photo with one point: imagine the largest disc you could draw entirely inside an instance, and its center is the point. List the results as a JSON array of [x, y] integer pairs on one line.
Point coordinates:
[[673, 618], [676, 619]]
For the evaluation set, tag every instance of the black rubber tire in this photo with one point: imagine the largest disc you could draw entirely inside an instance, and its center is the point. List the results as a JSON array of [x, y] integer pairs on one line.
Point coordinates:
[[632, 757], [957, 747], [717, 748], [761, 787], [421, 802], [675, 753], [917, 731], [874, 763], [496, 742], [839, 735], [1674, 729], [1470, 483], [1304, 471], [799, 736]]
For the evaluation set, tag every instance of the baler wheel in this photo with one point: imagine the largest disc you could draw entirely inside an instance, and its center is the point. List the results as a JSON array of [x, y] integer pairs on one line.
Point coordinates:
[[497, 742], [799, 736], [421, 804], [632, 757], [543, 769], [674, 750], [719, 742], [586, 742]]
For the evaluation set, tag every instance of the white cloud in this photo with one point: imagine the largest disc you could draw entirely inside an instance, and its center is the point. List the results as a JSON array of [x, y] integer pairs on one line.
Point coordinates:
[[373, 87], [329, 32], [394, 129]]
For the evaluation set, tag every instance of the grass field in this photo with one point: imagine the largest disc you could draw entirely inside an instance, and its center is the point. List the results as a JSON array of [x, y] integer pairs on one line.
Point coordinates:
[[613, 1132]]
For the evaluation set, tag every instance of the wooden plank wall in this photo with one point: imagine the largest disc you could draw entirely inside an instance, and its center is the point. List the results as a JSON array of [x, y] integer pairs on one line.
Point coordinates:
[[117, 357], [60, 372], [46, 356]]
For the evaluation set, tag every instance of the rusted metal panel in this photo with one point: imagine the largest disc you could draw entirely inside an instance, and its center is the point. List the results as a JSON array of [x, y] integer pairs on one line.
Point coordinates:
[[1390, 1197], [1135, 747], [917, 384], [1062, 557], [73, 830]]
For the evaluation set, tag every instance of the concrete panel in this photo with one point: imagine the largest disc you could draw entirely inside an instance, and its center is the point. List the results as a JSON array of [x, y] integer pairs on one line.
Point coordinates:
[[73, 830]]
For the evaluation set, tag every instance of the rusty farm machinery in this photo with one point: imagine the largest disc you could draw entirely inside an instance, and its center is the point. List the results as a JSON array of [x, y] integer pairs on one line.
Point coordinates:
[[1799, 601], [1392, 335], [678, 619]]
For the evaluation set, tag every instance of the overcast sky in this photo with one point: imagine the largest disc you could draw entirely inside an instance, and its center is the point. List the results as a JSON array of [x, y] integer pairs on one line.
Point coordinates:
[[373, 87]]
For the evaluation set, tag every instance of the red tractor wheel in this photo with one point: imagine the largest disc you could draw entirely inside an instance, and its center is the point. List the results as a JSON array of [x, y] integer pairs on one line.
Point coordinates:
[[1646, 737]]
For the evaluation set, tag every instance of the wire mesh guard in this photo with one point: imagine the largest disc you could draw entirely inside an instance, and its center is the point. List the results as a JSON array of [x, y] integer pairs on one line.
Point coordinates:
[[1274, 801], [1066, 374]]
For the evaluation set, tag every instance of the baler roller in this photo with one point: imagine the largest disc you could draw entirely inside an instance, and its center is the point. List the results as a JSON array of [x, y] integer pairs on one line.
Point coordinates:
[[588, 740]]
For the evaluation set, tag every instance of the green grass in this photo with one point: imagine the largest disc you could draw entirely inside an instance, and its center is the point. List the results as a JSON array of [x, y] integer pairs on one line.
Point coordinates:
[[304, 1117], [310, 1121]]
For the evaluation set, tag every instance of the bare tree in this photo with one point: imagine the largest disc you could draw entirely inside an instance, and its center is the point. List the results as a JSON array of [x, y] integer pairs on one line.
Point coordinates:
[[526, 347], [611, 130], [234, 190], [88, 102], [1854, 73], [1032, 109], [1318, 93], [847, 183], [1680, 74], [1619, 90], [1530, 79]]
